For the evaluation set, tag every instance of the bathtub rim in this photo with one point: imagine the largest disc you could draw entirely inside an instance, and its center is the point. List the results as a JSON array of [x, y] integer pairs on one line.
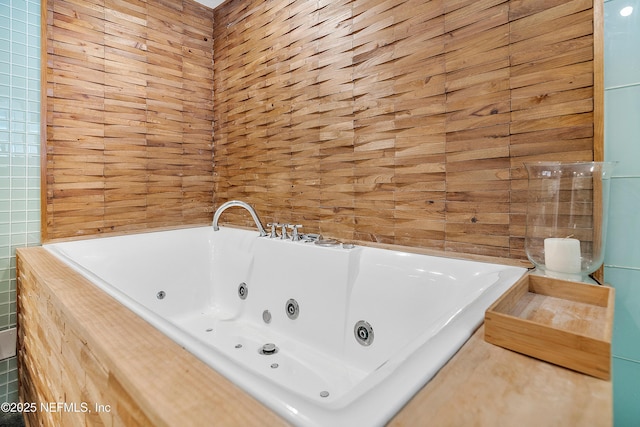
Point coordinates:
[[506, 261]]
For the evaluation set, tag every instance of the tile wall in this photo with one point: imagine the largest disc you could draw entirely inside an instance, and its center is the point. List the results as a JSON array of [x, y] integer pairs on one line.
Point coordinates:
[[622, 143], [19, 156]]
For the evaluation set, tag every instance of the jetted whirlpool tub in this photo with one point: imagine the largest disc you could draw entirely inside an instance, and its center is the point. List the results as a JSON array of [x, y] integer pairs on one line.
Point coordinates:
[[323, 336]]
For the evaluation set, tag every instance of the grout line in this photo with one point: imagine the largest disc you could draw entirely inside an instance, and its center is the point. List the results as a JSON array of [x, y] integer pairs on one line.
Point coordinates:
[[626, 359], [624, 86], [623, 267]]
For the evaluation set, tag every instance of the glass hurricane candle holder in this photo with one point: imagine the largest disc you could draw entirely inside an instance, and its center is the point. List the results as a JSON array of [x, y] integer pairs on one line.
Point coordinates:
[[567, 217]]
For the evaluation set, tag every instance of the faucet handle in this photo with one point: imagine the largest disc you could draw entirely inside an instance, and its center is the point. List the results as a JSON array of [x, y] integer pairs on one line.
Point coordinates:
[[273, 234], [283, 231], [295, 237]]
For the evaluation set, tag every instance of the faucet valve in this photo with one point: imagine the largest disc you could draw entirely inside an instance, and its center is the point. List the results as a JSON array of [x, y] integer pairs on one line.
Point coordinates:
[[273, 234], [295, 236], [283, 232]]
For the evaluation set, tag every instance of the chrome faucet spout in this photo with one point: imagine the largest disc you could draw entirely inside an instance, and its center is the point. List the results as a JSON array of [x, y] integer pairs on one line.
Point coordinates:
[[248, 207]]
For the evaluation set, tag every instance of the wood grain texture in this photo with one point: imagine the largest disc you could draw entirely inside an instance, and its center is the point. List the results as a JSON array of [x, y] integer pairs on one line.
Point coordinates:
[[486, 385], [404, 122], [400, 122], [129, 116], [566, 323]]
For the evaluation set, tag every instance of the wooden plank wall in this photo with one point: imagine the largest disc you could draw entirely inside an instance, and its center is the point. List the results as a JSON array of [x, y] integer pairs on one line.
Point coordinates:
[[399, 121], [129, 114]]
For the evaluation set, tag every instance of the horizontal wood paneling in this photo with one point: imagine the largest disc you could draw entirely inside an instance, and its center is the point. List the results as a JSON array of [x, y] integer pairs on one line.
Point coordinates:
[[402, 122], [129, 115]]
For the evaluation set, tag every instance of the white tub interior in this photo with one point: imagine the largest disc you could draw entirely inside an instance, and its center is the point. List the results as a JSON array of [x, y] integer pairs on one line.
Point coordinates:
[[421, 309]]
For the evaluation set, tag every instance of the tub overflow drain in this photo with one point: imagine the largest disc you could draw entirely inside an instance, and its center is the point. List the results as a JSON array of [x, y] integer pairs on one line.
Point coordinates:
[[161, 295], [269, 348], [363, 333], [266, 316]]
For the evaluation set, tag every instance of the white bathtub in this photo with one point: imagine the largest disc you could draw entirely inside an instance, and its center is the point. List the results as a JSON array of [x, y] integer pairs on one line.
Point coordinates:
[[421, 310]]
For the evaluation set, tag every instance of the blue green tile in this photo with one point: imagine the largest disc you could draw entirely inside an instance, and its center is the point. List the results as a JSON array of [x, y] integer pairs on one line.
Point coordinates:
[[5, 13], [626, 393], [626, 324], [623, 231], [19, 155], [621, 50], [5, 33], [622, 129]]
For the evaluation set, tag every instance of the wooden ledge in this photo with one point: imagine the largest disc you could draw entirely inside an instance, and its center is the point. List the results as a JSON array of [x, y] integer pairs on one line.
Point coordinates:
[[487, 385]]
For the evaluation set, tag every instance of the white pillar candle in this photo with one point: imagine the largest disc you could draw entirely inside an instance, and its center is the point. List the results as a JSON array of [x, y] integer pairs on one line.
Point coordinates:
[[562, 255]]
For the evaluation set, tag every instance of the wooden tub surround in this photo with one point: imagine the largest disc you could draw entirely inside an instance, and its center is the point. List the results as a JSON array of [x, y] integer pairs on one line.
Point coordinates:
[[79, 346]]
